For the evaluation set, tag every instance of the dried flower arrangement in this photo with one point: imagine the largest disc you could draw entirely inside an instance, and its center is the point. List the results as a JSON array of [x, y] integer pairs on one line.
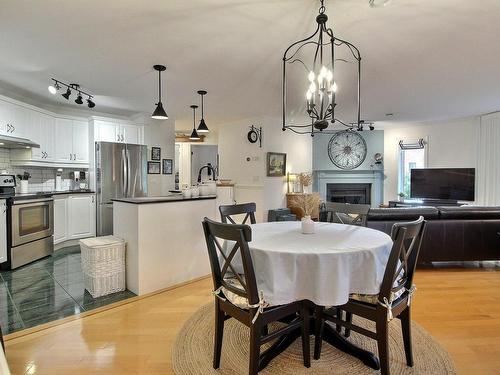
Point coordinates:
[[305, 202], [305, 179]]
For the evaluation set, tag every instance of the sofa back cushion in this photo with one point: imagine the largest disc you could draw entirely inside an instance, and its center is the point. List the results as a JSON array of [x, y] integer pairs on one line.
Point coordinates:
[[403, 213], [469, 213]]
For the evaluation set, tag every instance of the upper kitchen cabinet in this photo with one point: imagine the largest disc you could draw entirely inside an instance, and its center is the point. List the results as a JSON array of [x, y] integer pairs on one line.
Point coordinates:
[[42, 132], [119, 132], [14, 120], [71, 141]]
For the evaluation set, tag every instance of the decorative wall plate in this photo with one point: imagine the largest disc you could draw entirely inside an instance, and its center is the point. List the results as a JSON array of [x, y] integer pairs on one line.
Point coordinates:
[[347, 149]]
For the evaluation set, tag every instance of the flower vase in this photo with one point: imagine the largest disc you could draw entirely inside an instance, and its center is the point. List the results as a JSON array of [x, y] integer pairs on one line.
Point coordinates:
[[24, 186], [307, 225]]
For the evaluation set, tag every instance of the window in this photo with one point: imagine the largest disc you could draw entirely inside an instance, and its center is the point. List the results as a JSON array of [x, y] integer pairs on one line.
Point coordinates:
[[411, 155]]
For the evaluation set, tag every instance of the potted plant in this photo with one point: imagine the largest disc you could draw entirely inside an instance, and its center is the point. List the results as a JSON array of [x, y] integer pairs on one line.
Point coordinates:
[[401, 196]]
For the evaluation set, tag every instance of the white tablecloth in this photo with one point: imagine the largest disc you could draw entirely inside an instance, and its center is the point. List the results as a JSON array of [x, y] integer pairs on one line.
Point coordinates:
[[324, 267]]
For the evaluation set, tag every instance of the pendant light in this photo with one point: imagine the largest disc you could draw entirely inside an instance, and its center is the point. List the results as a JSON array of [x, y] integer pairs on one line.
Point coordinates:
[[202, 128], [159, 113], [320, 109], [194, 135]]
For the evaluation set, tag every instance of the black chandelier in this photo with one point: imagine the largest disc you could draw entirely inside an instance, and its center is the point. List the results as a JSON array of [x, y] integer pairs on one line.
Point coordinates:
[[321, 73], [56, 85]]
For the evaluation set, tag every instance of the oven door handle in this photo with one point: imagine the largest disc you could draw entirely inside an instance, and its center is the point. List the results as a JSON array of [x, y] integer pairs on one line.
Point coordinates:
[[31, 201]]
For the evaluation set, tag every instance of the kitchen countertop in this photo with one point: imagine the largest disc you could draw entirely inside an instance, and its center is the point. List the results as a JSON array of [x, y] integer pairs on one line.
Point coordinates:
[[44, 194], [165, 199]]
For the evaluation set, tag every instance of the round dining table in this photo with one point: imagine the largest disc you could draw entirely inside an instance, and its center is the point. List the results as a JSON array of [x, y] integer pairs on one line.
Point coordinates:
[[322, 268]]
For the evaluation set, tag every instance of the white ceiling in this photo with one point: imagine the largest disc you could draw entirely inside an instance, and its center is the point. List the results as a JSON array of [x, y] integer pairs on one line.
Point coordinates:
[[422, 59]]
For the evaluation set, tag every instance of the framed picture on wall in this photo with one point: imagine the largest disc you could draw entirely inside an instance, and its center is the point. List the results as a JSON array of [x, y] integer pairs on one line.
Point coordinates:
[[276, 164], [153, 167], [168, 166], [156, 153]]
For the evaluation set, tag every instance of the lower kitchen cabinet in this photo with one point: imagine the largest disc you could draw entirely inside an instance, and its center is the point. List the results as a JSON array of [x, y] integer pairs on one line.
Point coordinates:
[[74, 217]]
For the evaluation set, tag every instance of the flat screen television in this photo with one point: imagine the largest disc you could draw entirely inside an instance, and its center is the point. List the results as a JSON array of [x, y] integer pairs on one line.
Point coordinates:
[[443, 183]]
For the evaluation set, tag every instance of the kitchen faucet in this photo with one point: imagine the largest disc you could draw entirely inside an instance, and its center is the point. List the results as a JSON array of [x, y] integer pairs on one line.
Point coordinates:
[[209, 169]]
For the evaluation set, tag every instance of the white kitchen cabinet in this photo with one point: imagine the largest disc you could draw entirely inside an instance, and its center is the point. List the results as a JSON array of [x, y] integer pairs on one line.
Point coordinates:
[[63, 135], [42, 132], [80, 142], [71, 141], [14, 119], [60, 219], [81, 216], [74, 216], [107, 131], [3, 230]]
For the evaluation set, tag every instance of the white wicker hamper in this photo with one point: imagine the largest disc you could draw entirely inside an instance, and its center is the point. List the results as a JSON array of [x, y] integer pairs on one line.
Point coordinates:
[[103, 265]]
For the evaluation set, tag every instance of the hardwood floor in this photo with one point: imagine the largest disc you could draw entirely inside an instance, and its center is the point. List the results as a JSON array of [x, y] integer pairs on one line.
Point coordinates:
[[460, 307]]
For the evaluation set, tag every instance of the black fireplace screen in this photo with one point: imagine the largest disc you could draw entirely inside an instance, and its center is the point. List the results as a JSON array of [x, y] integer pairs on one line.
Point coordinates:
[[349, 193]]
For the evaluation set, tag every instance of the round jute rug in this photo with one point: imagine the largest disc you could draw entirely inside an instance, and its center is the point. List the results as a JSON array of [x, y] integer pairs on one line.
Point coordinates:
[[193, 350]]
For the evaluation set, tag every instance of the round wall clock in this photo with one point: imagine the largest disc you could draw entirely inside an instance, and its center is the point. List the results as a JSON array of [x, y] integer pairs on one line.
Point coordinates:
[[347, 149]]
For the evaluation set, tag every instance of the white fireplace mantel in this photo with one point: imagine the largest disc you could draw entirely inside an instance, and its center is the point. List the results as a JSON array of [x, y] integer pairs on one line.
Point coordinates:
[[374, 177]]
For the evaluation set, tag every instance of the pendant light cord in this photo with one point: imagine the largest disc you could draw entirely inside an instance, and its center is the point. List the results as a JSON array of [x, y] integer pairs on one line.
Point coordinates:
[[202, 106], [194, 118], [159, 86]]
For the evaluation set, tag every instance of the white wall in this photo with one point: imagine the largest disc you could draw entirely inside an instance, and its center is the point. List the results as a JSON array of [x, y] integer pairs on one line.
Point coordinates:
[[451, 144], [160, 133], [250, 175]]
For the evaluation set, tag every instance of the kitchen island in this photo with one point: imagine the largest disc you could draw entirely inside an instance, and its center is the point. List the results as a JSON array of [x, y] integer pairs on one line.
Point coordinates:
[[165, 240]]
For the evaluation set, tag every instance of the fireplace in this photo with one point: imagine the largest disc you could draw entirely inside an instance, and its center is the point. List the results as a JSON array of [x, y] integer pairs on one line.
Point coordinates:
[[348, 193]]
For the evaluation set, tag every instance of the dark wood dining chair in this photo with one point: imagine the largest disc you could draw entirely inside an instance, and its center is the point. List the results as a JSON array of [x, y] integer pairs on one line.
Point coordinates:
[[345, 213], [237, 296], [393, 301], [247, 209]]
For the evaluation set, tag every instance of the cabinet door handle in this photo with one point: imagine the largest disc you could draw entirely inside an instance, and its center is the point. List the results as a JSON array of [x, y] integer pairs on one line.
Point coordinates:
[[74, 156], [13, 128], [70, 157]]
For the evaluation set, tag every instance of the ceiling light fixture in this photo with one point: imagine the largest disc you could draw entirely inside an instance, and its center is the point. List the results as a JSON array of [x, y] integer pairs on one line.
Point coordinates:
[[321, 78], [90, 103], [56, 86], [79, 99], [194, 135], [202, 128], [378, 3], [159, 113]]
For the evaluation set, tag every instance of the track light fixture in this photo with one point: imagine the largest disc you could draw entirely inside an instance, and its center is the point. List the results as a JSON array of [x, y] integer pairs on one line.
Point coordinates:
[[159, 113], [194, 135], [56, 86]]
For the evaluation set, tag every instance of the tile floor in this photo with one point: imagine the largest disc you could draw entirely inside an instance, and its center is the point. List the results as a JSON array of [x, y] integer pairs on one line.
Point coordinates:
[[46, 290]]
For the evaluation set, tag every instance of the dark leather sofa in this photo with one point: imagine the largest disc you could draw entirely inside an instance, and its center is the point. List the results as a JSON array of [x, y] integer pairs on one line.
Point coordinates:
[[468, 233]]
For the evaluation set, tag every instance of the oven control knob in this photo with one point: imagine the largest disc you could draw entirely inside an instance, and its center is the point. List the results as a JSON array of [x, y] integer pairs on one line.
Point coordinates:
[[11, 180], [5, 180]]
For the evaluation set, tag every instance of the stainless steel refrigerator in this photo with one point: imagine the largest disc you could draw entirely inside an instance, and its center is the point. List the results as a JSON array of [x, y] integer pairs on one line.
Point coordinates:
[[121, 172]]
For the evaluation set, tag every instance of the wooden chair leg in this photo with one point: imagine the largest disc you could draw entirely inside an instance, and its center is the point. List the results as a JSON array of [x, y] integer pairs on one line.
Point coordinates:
[[255, 334], [219, 333], [383, 344], [340, 315], [405, 318], [265, 330], [348, 319], [306, 350], [319, 324]]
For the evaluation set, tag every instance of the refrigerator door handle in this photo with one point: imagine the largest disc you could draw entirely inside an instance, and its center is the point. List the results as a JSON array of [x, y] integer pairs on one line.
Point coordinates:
[[127, 154], [125, 172]]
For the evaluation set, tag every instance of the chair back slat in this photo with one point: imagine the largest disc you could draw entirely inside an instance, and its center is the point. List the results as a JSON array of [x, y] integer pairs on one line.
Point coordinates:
[[227, 243], [346, 213], [248, 209], [402, 261]]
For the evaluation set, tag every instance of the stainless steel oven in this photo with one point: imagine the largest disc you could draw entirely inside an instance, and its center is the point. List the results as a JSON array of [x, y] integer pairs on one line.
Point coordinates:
[[32, 220], [32, 229]]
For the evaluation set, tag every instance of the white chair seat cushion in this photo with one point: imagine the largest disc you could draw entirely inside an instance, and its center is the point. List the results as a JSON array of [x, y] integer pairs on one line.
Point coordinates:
[[234, 298], [373, 298]]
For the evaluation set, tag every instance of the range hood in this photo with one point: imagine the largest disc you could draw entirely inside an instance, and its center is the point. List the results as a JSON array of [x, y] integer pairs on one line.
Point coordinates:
[[15, 142]]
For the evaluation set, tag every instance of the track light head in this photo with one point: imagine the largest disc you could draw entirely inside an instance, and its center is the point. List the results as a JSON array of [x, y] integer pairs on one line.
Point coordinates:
[[79, 99], [53, 89], [67, 94], [90, 103]]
